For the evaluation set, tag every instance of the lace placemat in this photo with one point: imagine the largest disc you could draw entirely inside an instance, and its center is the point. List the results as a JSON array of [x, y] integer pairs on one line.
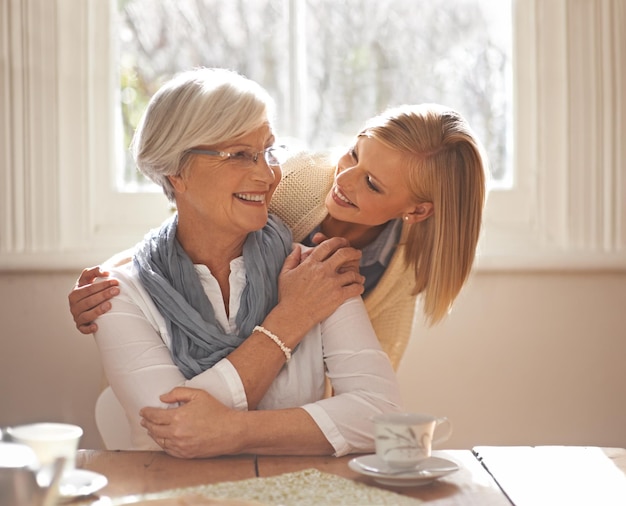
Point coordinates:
[[309, 487]]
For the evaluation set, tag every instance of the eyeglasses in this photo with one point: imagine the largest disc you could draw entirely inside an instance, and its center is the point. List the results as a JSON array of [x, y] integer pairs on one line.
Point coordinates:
[[274, 155]]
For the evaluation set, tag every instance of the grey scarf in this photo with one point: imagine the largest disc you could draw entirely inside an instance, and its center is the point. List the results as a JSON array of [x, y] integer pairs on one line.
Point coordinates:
[[168, 274]]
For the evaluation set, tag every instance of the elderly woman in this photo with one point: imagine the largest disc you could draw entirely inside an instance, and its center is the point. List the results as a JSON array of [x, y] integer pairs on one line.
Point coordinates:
[[217, 299]]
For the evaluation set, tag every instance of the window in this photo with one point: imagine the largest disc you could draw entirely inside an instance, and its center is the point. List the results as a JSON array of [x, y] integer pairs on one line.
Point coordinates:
[[60, 207], [331, 65]]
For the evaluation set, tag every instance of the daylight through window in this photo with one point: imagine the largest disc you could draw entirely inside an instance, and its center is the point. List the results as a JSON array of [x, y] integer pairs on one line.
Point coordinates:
[[329, 65]]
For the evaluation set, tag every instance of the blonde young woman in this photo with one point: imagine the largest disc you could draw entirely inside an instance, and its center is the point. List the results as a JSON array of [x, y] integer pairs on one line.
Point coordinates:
[[409, 193]]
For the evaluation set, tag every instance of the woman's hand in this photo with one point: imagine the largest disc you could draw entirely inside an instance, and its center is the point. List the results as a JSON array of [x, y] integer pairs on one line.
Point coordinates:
[[89, 299], [314, 285], [203, 427], [350, 265], [200, 427]]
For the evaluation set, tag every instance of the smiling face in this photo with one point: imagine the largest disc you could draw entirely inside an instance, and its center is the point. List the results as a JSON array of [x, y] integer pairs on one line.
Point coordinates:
[[371, 186], [229, 196]]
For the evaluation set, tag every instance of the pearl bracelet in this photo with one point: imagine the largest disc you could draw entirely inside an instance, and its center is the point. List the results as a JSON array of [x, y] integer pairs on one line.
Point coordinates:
[[284, 348]]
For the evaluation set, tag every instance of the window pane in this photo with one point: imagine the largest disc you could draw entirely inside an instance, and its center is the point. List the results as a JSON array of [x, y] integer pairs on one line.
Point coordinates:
[[159, 39], [365, 55], [358, 57]]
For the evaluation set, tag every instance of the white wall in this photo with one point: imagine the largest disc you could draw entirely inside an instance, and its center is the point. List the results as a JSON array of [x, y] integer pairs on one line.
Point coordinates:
[[48, 371], [522, 359], [526, 359]]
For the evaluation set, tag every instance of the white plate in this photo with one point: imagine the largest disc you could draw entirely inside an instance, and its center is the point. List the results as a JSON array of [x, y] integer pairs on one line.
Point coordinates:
[[428, 471], [80, 482]]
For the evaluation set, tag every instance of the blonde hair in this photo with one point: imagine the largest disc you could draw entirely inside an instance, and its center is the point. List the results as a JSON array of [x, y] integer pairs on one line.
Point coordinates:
[[203, 106], [446, 166]]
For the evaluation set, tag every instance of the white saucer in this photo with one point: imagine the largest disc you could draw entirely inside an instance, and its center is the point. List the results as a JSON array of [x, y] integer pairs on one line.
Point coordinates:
[[80, 482], [428, 471]]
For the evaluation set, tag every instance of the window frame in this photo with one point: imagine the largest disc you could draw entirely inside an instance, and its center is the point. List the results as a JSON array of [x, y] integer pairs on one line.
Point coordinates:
[[61, 209]]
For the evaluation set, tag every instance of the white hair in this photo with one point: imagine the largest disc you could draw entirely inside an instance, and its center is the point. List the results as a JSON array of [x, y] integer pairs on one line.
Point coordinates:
[[203, 106]]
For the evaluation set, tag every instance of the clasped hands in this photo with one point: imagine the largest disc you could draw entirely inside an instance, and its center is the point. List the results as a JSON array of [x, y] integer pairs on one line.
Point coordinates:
[[315, 282]]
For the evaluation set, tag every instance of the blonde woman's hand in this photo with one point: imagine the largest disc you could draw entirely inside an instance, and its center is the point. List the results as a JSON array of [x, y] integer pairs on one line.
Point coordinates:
[[90, 299], [353, 265]]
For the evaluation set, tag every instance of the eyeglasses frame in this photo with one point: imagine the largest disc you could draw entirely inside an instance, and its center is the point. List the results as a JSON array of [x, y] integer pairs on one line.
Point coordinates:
[[227, 155]]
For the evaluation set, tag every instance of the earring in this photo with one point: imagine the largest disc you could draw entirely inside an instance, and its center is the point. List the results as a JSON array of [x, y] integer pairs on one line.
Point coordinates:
[[406, 217]]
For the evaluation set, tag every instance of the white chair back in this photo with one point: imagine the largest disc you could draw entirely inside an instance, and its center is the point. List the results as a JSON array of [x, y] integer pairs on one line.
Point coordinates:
[[112, 422]]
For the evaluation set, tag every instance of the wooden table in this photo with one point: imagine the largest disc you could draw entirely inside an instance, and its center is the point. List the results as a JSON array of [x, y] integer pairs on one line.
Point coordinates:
[[488, 476], [138, 472], [142, 472]]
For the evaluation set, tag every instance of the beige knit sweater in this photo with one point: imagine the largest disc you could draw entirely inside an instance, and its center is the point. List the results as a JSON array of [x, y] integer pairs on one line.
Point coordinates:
[[299, 202]]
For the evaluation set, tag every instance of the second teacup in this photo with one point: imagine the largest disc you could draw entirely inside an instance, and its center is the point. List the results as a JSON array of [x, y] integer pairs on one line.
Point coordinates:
[[403, 440], [49, 441]]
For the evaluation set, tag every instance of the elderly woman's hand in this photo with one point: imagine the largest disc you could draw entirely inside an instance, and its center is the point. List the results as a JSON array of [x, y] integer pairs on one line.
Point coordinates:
[[313, 286], [200, 427], [204, 427]]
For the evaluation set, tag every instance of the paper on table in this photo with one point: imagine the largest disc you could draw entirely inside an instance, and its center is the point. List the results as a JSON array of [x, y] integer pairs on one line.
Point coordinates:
[[302, 488], [553, 475]]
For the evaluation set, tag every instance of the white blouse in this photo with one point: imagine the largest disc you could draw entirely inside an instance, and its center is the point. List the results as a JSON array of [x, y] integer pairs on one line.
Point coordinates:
[[135, 349]]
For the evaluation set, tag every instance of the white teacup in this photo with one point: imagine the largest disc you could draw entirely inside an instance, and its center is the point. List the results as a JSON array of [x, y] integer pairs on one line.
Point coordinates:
[[49, 441], [403, 440]]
